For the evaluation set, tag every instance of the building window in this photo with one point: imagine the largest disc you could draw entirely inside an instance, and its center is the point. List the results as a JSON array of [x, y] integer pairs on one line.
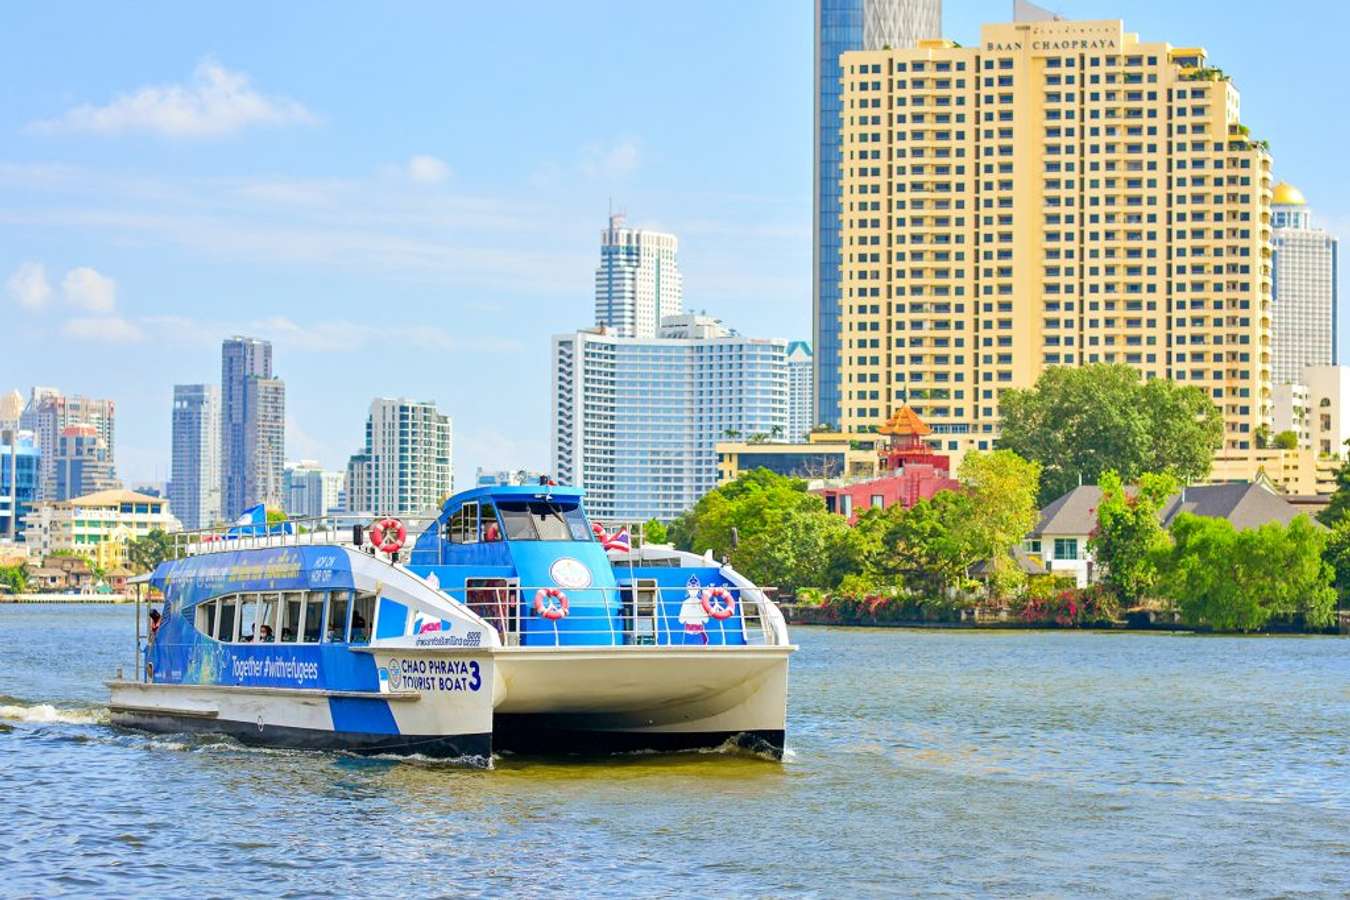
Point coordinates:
[[1066, 548]]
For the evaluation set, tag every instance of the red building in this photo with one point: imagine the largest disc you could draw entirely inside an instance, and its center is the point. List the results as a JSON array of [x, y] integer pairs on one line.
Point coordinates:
[[913, 472]]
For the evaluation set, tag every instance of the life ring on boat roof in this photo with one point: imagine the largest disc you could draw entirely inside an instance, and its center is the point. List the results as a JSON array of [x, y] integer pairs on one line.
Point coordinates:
[[388, 535], [724, 608], [551, 603]]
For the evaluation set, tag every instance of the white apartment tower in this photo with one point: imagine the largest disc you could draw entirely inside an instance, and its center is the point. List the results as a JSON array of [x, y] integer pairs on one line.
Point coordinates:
[[638, 282], [311, 490], [405, 466], [801, 391], [636, 420], [194, 482], [1303, 327]]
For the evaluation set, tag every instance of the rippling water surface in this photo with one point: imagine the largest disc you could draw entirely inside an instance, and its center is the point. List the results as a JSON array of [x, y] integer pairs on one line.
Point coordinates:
[[920, 762]]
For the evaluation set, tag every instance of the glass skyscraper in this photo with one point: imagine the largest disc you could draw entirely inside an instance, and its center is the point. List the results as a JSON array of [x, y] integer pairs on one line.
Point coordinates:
[[194, 482], [843, 25], [252, 427]]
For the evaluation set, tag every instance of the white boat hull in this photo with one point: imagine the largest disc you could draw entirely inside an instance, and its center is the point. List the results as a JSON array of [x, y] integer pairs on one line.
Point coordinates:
[[521, 699]]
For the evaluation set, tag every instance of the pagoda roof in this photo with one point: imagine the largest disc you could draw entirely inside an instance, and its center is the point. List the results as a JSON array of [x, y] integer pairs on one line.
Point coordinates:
[[905, 421]]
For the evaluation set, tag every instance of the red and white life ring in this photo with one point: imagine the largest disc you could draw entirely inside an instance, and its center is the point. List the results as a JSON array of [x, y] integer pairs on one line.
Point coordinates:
[[722, 610], [388, 535], [545, 605]]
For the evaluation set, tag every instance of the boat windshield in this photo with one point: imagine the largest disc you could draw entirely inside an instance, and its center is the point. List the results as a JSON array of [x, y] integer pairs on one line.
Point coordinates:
[[542, 520]]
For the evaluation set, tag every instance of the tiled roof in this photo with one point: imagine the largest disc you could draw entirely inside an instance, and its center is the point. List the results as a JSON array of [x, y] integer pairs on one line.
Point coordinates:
[[1245, 504], [905, 421]]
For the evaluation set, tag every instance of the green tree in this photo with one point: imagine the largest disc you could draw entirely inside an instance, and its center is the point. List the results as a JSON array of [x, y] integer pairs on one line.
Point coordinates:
[[15, 577], [654, 532], [276, 515], [929, 545], [1234, 580], [1286, 440], [742, 504], [1079, 422], [145, 553], [1129, 536], [1002, 489], [1338, 509], [1337, 555], [786, 537], [795, 548]]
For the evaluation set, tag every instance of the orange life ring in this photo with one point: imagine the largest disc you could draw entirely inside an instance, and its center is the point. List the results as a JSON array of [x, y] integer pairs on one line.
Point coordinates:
[[722, 610], [388, 535], [545, 606]]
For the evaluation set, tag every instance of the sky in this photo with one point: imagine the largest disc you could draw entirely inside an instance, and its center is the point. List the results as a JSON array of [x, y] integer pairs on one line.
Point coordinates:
[[407, 199]]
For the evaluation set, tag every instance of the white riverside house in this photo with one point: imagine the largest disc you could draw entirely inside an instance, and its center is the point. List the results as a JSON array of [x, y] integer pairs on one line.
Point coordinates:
[[636, 420], [1061, 536]]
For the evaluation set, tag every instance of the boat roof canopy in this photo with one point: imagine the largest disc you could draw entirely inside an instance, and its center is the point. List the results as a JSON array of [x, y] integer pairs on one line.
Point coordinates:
[[569, 495]]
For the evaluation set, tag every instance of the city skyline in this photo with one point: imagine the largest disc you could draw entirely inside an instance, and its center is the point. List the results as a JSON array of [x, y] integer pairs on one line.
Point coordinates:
[[254, 260]]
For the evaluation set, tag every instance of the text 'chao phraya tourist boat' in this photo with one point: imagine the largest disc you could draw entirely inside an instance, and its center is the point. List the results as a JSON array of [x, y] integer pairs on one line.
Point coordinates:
[[514, 624]]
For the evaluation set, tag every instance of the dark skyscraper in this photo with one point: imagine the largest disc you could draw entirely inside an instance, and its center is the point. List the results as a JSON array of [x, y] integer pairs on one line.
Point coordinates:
[[845, 25], [252, 427]]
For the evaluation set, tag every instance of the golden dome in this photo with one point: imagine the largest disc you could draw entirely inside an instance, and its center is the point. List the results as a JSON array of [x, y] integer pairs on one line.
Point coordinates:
[[1288, 195]]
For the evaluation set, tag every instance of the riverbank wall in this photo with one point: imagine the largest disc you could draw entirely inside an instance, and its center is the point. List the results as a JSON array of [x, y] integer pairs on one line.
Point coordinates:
[[67, 598], [1003, 620]]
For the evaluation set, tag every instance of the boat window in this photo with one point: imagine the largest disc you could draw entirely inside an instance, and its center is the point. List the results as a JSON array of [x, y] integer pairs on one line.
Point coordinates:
[[290, 618], [337, 617], [489, 530], [462, 527], [206, 618], [313, 617], [229, 614], [496, 600], [248, 618], [267, 618], [363, 613], [543, 520]]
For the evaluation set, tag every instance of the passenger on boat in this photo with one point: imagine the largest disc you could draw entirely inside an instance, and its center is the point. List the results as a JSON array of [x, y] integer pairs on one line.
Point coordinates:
[[492, 532], [155, 620], [266, 634], [358, 627]]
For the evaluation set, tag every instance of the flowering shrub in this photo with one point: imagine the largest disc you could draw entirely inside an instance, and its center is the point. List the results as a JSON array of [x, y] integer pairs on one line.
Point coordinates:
[[1071, 608], [891, 606]]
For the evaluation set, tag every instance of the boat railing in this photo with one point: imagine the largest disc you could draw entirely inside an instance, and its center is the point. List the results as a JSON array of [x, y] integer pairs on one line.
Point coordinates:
[[291, 532], [632, 614]]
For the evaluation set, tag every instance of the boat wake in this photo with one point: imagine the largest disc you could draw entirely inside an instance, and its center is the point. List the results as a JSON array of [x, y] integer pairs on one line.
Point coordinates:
[[13, 709]]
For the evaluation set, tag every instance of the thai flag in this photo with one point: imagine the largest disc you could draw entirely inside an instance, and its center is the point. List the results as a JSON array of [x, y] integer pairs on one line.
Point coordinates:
[[619, 540]]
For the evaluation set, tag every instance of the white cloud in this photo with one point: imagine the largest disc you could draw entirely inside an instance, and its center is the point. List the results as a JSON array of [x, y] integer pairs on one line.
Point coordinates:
[[335, 336], [104, 329], [217, 102], [86, 288], [28, 286], [612, 161], [426, 169]]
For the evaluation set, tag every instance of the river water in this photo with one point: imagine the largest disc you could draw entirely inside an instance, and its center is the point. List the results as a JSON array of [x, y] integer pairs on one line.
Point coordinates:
[[920, 762]]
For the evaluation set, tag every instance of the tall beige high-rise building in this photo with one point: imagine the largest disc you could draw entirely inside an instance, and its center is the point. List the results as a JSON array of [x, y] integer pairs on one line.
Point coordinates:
[[1062, 194]]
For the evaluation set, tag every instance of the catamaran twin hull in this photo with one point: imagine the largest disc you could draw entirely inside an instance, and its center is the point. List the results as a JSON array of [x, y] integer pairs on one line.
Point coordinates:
[[535, 642], [461, 704]]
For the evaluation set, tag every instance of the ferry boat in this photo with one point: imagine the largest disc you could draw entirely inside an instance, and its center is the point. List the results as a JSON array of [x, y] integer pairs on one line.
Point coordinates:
[[508, 622]]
